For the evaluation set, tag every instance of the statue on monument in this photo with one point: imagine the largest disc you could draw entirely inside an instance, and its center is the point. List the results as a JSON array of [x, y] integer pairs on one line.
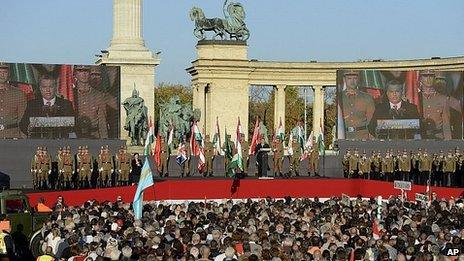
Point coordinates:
[[233, 23], [177, 114], [136, 118]]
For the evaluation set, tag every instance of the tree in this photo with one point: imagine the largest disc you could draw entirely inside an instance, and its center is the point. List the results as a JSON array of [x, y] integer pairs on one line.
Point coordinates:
[[294, 109]]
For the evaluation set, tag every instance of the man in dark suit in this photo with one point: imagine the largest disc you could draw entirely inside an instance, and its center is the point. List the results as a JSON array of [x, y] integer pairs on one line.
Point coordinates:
[[394, 107], [261, 149], [47, 105]]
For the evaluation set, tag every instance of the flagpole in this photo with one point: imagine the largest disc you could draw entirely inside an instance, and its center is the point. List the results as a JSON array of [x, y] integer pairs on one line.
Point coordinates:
[[305, 112]]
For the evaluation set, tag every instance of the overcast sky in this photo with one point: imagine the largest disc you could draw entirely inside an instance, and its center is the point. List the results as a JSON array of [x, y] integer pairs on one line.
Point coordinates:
[[70, 31]]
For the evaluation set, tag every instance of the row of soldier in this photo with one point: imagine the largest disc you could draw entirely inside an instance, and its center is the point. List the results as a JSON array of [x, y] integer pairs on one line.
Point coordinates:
[[419, 166], [294, 152], [80, 170]]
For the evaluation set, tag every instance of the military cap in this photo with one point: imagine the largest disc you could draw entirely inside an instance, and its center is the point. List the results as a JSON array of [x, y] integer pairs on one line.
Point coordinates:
[[207, 136], [79, 148], [350, 72], [68, 147], [81, 67], [427, 72], [86, 147], [4, 65]]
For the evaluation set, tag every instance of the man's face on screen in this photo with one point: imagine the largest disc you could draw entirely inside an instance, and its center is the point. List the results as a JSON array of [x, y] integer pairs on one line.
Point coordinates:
[[4, 74], [47, 89], [394, 96], [427, 80], [351, 81], [83, 76]]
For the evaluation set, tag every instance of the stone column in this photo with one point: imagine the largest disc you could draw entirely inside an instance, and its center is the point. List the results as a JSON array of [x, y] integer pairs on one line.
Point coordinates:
[[199, 93], [318, 108], [279, 105], [127, 50], [127, 23]]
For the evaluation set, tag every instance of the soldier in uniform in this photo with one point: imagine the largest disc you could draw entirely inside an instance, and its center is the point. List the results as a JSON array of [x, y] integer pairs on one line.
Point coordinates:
[[35, 166], [388, 166], [84, 167], [314, 158], [295, 158], [458, 176], [45, 168], [376, 165], [67, 168], [357, 108], [123, 162], [404, 166], [245, 153], [91, 106], [58, 159], [425, 166], [164, 158], [278, 156], [12, 106], [449, 169], [354, 167], [209, 155], [415, 162], [346, 163], [364, 166], [188, 153], [436, 174], [105, 163], [436, 109]]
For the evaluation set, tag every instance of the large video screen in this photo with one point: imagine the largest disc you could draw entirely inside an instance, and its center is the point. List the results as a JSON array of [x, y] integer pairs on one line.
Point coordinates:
[[58, 101], [392, 105]]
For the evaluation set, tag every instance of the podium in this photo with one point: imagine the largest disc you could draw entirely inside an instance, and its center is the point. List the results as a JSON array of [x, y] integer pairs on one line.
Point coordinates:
[[51, 127], [262, 161], [398, 129]]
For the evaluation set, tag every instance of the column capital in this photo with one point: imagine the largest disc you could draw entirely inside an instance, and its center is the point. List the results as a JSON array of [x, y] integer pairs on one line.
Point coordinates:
[[318, 87], [280, 86]]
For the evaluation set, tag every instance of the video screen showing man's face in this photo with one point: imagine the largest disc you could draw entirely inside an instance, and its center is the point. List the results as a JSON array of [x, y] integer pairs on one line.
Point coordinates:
[[4, 75], [47, 89], [351, 81]]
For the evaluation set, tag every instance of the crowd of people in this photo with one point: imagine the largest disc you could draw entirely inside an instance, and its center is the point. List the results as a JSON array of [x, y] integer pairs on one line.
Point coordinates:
[[419, 167], [265, 229], [82, 170]]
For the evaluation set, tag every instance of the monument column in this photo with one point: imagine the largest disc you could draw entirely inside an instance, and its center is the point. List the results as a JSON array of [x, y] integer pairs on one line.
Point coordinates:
[[318, 108], [128, 51], [279, 105], [226, 92]]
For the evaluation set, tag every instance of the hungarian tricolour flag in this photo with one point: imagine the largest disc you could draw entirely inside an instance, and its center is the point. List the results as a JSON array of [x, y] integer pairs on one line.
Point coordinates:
[[197, 146], [237, 160], [149, 139], [281, 131], [217, 139], [254, 138]]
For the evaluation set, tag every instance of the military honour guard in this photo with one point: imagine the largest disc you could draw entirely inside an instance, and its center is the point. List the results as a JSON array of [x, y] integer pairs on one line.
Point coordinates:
[[123, 163]]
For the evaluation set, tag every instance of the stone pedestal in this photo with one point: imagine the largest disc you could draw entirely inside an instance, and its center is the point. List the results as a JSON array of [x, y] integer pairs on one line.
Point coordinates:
[[127, 50], [224, 94]]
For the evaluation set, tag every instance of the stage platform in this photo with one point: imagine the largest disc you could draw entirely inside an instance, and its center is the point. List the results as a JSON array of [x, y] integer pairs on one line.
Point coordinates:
[[221, 188]]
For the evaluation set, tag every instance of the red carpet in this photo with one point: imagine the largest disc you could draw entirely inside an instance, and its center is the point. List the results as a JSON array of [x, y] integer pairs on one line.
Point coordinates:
[[246, 188]]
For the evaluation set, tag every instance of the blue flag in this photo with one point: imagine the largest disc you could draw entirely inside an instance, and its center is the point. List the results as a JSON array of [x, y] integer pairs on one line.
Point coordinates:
[[145, 181]]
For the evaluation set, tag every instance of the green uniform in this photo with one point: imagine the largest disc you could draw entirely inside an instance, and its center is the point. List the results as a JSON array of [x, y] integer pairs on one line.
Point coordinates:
[[358, 108], [84, 164], [12, 107], [295, 158], [66, 166], [164, 160], [188, 152], [105, 163], [425, 166], [364, 166], [436, 112], [123, 163], [209, 155], [353, 165], [346, 164], [35, 165], [388, 167], [45, 168], [245, 155], [278, 154], [314, 159]]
